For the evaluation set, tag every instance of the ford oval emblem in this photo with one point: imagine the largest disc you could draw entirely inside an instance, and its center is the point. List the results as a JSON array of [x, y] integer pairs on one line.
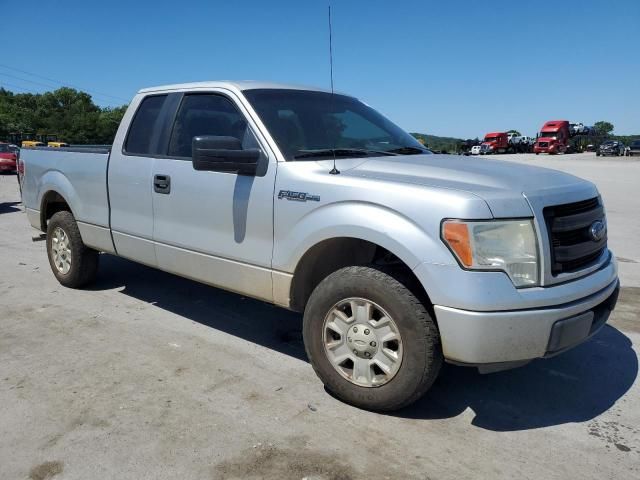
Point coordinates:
[[597, 230]]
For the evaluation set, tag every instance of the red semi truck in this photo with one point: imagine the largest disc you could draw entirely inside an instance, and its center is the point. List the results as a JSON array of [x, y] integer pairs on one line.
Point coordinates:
[[496, 142], [553, 138]]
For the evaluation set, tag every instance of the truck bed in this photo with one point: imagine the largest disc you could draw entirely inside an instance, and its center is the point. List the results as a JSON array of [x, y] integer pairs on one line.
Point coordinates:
[[79, 174]]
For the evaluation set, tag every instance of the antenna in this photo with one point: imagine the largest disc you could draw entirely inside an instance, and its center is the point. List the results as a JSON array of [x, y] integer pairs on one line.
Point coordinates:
[[334, 170]]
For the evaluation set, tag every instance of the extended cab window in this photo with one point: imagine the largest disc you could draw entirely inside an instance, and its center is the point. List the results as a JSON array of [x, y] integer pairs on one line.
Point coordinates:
[[143, 125], [208, 114]]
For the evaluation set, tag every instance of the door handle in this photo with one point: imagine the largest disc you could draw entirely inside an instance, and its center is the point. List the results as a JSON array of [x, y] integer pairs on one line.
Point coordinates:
[[162, 184]]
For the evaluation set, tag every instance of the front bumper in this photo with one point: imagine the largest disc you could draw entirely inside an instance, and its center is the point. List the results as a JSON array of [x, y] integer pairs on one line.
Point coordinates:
[[506, 337], [550, 149]]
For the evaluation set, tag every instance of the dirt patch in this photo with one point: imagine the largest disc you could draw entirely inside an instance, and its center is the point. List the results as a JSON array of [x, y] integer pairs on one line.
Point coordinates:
[[626, 316], [625, 260], [273, 463], [46, 470], [614, 433]]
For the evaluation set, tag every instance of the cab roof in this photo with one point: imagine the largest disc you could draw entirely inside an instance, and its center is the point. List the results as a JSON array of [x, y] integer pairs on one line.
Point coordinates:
[[554, 125], [231, 85]]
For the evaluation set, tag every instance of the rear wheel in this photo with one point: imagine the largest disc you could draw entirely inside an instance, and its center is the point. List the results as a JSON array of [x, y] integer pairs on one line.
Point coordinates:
[[73, 264], [370, 340]]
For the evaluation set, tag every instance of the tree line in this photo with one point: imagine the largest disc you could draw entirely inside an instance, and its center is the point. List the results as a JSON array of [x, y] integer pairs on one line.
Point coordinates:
[[67, 113]]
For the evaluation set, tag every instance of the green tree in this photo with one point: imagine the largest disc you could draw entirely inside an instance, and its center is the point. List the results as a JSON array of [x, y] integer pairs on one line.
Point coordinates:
[[67, 113], [603, 128]]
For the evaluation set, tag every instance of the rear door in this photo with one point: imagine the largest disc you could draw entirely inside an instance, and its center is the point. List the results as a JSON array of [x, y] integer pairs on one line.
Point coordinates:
[[130, 180], [211, 226]]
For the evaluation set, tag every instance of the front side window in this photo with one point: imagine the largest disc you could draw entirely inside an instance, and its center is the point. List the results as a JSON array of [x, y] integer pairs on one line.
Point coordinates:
[[208, 114], [311, 124], [140, 134]]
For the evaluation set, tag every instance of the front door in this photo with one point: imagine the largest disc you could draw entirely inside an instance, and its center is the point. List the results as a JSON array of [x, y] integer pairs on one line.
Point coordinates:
[[209, 226]]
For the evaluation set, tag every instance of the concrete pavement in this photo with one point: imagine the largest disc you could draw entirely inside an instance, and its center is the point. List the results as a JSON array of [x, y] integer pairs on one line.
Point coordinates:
[[147, 375]]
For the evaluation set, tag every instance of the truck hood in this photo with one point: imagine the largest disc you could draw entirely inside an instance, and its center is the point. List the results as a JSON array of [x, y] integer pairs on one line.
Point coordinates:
[[502, 184]]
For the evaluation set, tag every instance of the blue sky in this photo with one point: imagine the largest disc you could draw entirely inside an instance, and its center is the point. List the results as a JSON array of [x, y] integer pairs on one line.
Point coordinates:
[[455, 68]]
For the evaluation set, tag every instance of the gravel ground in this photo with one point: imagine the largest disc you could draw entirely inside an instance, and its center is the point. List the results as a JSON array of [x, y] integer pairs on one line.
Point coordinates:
[[148, 375]]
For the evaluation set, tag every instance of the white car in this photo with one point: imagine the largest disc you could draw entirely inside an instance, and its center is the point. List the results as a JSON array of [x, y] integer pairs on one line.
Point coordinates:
[[475, 150], [579, 129]]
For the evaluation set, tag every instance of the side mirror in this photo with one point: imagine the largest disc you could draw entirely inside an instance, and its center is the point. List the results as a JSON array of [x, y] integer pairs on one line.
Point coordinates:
[[223, 154]]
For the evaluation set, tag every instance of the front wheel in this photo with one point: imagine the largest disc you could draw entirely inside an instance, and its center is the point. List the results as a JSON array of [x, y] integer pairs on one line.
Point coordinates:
[[370, 340], [73, 264]]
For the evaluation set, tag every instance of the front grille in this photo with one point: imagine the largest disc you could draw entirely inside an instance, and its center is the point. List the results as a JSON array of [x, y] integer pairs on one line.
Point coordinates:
[[543, 144], [572, 247]]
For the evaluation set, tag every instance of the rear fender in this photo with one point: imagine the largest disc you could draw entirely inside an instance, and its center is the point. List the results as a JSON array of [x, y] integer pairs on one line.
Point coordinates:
[[56, 181]]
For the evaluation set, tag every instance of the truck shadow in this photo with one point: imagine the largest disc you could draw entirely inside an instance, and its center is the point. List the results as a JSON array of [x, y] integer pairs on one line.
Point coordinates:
[[9, 207], [252, 320], [576, 386]]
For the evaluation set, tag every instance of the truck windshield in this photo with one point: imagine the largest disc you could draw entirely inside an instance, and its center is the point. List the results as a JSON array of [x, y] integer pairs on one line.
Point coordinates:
[[490, 139], [548, 134], [4, 148], [311, 125]]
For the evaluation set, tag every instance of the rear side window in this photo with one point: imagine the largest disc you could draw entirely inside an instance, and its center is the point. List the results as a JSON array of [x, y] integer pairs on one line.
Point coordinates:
[[140, 136], [208, 114]]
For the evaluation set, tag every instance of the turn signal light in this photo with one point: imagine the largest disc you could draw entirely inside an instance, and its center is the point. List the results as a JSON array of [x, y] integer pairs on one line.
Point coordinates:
[[456, 234]]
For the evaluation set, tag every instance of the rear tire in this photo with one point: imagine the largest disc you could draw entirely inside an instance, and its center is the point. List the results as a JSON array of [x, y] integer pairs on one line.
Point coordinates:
[[73, 264], [418, 350]]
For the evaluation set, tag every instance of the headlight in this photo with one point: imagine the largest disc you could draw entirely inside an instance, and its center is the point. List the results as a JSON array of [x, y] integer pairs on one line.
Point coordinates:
[[507, 245]]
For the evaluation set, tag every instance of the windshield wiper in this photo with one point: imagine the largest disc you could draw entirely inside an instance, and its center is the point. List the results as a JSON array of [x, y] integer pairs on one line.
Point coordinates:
[[408, 150], [341, 152]]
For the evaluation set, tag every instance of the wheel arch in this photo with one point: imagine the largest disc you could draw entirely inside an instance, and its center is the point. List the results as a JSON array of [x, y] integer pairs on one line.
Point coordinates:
[[56, 193], [331, 254], [52, 202]]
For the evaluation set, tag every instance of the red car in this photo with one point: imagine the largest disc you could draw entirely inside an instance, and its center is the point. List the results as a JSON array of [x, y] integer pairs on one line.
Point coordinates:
[[8, 159]]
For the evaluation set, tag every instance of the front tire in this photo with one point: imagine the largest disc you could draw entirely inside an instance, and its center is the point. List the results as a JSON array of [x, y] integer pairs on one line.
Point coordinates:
[[370, 340], [73, 264]]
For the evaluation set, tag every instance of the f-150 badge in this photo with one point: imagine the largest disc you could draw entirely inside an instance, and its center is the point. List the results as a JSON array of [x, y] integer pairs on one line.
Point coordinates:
[[298, 196]]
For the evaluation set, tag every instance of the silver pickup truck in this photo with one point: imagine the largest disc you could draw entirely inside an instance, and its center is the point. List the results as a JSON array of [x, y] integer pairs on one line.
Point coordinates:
[[400, 259]]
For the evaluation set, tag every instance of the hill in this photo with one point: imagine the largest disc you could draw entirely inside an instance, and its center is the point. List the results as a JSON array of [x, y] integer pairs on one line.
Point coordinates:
[[444, 144]]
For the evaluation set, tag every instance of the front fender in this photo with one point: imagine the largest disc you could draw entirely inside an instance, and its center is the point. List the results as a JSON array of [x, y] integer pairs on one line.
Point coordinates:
[[366, 221]]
